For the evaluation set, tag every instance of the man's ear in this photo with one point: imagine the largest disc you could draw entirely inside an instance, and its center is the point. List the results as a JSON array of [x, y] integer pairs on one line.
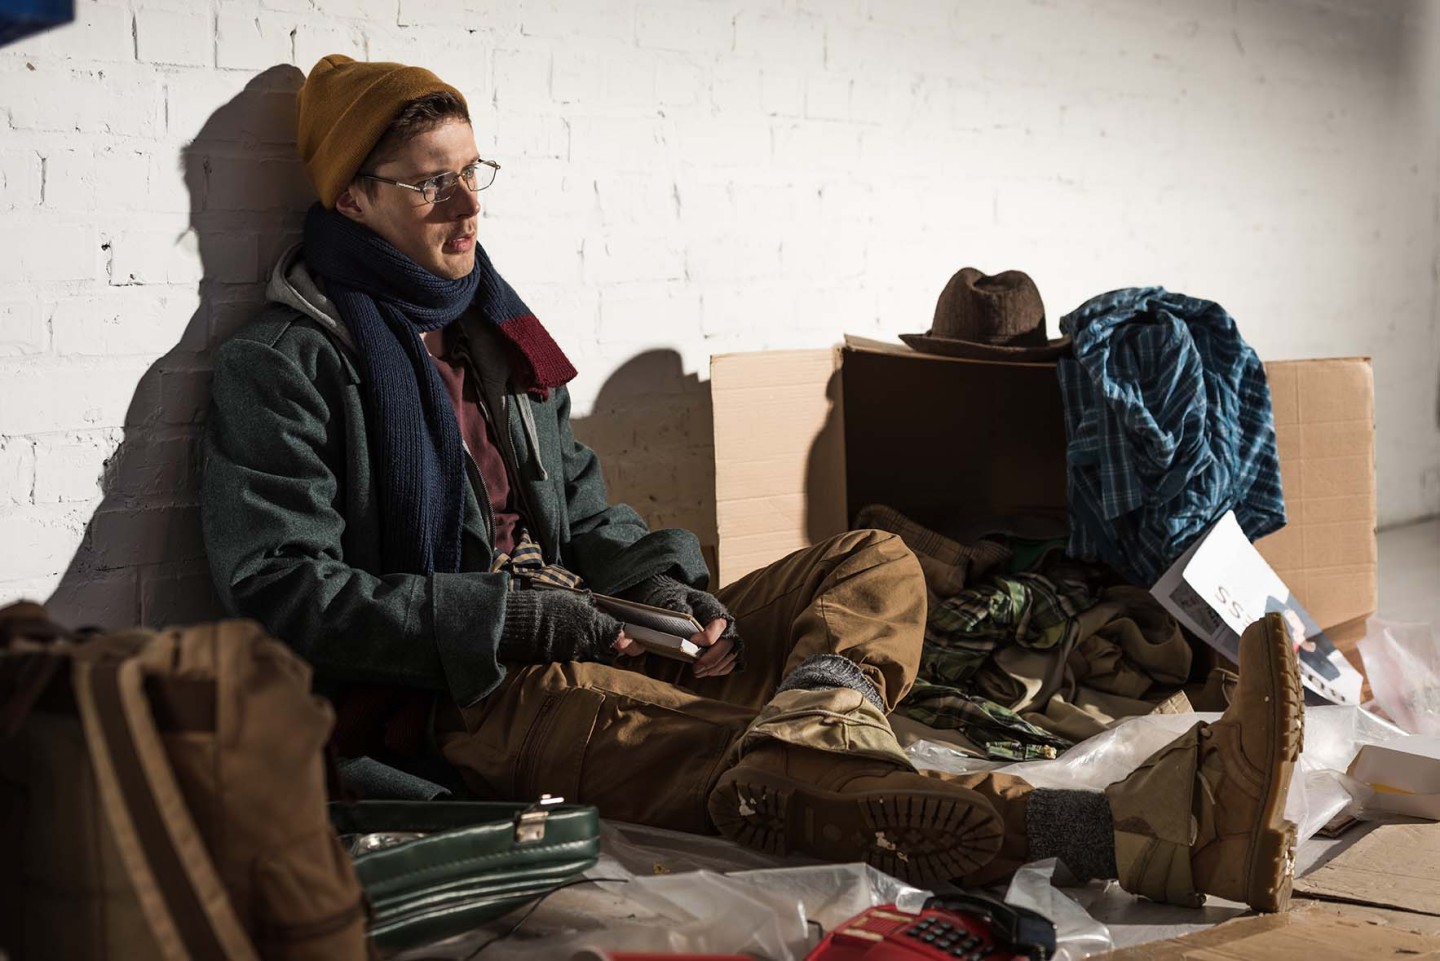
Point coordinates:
[[349, 204]]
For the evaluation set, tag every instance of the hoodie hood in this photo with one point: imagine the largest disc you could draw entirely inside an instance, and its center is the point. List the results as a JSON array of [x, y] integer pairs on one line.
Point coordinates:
[[292, 285]]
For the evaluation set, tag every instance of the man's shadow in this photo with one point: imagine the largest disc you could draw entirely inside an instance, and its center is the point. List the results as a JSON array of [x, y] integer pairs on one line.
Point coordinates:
[[141, 560], [651, 427]]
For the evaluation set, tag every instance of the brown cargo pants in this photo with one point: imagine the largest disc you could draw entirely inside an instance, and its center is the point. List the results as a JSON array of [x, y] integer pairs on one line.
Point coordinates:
[[645, 741]]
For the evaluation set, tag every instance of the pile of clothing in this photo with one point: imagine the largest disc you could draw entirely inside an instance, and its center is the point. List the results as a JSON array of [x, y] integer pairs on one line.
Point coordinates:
[[1027, 651]]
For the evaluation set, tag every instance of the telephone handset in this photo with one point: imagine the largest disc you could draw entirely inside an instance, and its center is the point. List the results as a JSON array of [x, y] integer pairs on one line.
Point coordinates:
[[968, 927]]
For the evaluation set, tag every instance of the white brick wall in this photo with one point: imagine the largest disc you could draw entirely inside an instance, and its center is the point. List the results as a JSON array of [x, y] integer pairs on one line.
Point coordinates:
[[695, 176]]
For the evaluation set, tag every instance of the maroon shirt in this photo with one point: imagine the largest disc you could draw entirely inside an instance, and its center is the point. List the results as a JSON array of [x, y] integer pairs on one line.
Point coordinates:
[[476, 430]]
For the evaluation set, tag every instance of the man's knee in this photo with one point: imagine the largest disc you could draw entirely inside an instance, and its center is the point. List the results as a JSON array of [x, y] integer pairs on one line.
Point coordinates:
[[884, 543]]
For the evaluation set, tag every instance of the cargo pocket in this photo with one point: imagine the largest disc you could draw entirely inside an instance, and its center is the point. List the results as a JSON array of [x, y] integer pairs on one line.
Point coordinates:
[[308, 903], [552, 754]]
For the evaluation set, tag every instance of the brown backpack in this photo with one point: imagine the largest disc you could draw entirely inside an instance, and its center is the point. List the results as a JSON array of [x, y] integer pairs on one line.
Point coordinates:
[[162, 796]]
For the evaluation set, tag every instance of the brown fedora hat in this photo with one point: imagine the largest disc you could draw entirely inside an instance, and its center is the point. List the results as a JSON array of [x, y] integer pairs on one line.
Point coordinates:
[[989, 318]]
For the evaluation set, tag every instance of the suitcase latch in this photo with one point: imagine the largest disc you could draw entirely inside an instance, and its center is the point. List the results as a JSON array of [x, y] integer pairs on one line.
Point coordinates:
[[530, 823]]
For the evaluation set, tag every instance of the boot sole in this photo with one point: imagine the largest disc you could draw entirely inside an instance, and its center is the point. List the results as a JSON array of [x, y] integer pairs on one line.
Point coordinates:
[[918, 836], [1272, 846]]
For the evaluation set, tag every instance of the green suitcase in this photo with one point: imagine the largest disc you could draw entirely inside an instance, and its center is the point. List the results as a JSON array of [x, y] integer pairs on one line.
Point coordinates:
[[435, 869]]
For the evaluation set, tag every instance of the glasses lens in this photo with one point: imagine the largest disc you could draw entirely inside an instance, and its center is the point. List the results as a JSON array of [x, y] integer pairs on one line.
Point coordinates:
[[478, 176], [438, 189]]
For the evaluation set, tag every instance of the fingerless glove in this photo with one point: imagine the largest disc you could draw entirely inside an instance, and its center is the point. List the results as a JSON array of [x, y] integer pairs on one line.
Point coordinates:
[[543, 626], [661, 590]]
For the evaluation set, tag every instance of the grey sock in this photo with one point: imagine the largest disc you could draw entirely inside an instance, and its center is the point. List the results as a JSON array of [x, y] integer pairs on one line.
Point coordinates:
[[831, 670], [1074, 826]]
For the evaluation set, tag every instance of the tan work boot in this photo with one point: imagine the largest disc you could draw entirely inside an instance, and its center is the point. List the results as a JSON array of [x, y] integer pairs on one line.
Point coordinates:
[[1206, 813], [783, 798]]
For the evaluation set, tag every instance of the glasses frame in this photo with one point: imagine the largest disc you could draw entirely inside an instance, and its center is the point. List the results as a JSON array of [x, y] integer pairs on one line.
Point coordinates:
[[459, 176]]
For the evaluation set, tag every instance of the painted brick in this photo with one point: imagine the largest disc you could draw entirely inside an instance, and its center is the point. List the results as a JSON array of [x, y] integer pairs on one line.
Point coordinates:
[[155, 257], [635, 198], [175, 37], [827, 97], [313, 41], [794, 41], [131, 538], [151, 470], [596, 20], [522, 79], [20, 179], [35, 251], [194, 97], [695, 28], [646, 310], [244, 42], [36, 398], [39, 541], [527, 135], [103, 598], [22, 328], [451, 13], [132, 320], [69, 472], [182, 596], [17, 470], [99, 33], [782, 93], [116, 98], [617, 256], [375, 13], [735, 87], [624, 81], [85, 180], [679, 82], [619, 143]]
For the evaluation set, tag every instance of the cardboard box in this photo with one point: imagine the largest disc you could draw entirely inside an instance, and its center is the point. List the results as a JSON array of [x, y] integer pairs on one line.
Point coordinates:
[[803, 439]]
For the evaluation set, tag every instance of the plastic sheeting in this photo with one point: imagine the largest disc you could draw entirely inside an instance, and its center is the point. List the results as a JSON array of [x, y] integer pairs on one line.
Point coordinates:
[[768, 912], [1333, 733], [1403, 664], [1077, 934], [675, 892]]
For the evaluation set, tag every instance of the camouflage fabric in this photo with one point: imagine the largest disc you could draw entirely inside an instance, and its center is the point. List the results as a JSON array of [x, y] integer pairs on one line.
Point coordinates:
[[1005, 735], [1030, 609]]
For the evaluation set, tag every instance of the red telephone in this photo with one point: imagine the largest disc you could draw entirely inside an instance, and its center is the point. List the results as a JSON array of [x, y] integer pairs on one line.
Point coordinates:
[[968, 927]]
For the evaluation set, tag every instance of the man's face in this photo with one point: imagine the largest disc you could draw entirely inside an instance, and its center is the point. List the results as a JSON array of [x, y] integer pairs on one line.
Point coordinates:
[[439, 237]]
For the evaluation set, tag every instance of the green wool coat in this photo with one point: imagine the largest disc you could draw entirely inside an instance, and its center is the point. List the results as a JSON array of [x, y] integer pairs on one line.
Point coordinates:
[[290, 509]]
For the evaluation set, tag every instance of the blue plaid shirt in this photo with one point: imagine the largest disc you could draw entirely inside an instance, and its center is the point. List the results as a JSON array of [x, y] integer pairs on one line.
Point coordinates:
[[1167, 414]]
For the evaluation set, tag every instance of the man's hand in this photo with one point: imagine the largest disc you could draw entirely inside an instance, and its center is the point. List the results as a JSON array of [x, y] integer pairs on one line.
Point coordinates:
[[627, 646], [721, 641], [719, 659]]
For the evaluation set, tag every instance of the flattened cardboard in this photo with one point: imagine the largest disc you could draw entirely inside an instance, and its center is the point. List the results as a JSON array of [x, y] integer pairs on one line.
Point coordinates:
[[944, 431], [1302, 935], [1325, 428], [780, 481], [1395, 866]]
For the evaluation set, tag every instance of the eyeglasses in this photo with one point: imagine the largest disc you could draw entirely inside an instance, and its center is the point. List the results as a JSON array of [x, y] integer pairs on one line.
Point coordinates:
[[439, 188]]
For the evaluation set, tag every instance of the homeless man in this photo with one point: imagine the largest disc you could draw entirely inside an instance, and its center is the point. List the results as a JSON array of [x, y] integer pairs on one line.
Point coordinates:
[[391, 486]]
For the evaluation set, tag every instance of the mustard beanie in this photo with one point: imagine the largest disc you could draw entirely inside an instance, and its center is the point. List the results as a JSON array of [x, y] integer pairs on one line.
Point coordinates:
[[345, 108]]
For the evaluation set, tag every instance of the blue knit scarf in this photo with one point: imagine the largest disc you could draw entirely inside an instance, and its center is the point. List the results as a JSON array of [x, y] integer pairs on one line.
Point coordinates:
[[387, 300]]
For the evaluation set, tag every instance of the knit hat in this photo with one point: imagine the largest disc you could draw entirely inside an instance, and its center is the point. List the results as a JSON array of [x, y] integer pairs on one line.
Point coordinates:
[[345, 108]]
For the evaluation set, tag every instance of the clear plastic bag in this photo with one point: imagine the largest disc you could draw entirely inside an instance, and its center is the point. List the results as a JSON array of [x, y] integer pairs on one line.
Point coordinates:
[[1077, 934], [1403, 664]]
